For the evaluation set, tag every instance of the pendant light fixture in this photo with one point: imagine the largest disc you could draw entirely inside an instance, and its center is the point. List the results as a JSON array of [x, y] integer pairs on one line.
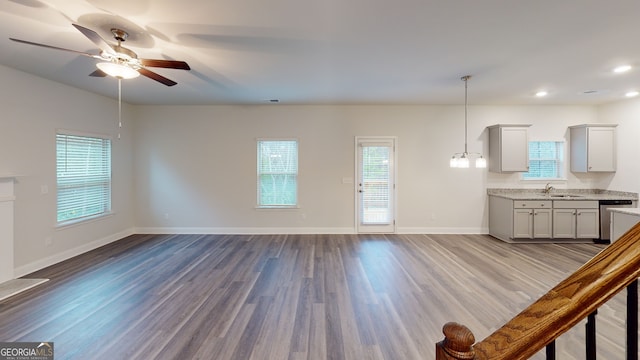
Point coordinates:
[[461, 160]]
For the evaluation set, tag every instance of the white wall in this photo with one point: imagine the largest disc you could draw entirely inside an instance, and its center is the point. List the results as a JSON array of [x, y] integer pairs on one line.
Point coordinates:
[[195, 166], [627, 115], [33, 108]]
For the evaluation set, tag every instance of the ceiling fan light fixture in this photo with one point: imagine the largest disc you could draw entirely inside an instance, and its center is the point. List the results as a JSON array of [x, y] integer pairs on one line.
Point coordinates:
[[118, 70]]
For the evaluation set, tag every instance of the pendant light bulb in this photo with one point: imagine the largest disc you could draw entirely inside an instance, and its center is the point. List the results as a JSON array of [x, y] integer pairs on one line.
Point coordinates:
[[481, 162]]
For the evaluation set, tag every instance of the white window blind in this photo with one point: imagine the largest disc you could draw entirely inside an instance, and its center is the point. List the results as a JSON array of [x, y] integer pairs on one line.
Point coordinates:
[[277, 173], [83, 165], [546, 159], [376, 185]]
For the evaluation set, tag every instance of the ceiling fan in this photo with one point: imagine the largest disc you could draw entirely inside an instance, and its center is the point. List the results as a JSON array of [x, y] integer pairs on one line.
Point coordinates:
[[118, 61]]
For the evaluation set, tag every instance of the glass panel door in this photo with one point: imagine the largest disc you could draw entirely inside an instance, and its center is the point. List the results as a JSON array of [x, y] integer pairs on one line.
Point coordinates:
[[376, 185]]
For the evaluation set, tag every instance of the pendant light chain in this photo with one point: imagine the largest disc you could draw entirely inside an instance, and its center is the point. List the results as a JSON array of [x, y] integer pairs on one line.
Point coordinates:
[[466, 79], [119, 106]]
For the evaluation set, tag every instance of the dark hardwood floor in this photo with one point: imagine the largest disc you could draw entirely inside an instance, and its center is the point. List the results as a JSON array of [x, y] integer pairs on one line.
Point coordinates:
[[293, 296]]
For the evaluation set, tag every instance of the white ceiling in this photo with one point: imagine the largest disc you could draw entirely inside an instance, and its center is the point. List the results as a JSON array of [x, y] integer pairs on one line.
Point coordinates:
[[340, 51]]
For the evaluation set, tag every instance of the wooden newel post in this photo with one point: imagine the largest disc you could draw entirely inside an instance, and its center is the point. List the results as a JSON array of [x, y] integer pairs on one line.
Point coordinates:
[[457, 344]]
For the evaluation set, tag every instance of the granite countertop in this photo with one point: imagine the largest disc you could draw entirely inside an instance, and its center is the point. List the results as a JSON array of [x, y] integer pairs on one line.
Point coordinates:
[[562, 194]]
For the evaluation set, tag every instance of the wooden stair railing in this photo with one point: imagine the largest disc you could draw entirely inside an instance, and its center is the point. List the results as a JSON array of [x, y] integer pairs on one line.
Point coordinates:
[[572, 300]]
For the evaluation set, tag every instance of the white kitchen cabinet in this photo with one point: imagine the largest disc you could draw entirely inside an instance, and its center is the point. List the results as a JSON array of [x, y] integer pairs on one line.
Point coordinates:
[[509, 148], [532, 223], [576, 219], [622, 220], [588, 224], [564, 223], [523, 223], [519, 220], [542, 223], [593, 148]]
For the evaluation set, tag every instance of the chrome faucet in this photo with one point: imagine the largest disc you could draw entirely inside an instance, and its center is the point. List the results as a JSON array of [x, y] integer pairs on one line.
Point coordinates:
[[548, 188]]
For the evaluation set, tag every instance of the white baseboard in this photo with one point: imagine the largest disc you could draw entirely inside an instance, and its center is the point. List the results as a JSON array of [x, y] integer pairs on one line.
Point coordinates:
[[441, 230], [56, 258], [268, 231], [242, 231]]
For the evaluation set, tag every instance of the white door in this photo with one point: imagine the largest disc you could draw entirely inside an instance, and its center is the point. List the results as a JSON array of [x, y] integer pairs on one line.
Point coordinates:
[[375, 184]]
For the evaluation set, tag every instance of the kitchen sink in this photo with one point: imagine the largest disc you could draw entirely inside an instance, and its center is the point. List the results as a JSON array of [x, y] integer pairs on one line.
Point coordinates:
[[565, 196]]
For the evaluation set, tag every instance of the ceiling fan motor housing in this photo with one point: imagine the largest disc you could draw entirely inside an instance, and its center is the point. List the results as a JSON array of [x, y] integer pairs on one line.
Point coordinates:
[[119, 34]]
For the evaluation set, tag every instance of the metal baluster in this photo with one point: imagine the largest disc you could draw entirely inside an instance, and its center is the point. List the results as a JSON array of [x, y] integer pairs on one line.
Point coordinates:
[[551, 350], [632, 321], [591, 336]]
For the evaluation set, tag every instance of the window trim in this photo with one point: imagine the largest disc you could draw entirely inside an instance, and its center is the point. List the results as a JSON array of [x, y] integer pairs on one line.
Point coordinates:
[[562, 167], [258, 183], [92, 217]]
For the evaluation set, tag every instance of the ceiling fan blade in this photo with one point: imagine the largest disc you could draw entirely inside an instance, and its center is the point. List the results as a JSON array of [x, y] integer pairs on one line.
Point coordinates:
[[169, 64], [156, 77], [56, 48], [98, 73], [96, 39]]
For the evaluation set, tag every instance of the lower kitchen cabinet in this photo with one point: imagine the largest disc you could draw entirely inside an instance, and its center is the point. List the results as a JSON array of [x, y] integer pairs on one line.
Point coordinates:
[[574, 219], [534, 220], [515, 220], [532, 223], [564, 223]]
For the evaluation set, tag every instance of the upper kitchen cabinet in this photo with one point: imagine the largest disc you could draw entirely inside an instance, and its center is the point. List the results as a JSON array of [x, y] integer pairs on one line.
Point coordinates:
[[509, 148], [593, 148]]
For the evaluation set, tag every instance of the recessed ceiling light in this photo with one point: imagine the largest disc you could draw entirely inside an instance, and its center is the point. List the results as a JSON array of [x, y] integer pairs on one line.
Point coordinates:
[[632, 93], [542, 93], [621, 69]]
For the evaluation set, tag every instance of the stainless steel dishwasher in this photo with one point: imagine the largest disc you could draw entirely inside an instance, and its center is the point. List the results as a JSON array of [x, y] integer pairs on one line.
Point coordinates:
[[605, 217]]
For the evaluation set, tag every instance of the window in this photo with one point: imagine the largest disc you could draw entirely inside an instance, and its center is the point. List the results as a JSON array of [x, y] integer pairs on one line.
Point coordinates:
[[546, 160], [277, 173], [83, 165]]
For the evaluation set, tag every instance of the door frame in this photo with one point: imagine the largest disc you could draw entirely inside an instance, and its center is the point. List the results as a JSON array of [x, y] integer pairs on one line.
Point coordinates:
[[394, 173]]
